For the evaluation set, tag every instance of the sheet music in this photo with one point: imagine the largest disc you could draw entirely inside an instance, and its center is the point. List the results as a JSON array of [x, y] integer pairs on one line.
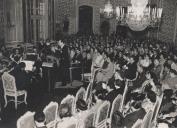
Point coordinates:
[[29, 65], [46, 64]]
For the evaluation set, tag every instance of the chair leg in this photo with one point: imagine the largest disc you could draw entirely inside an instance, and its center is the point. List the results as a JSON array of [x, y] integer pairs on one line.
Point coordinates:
[[25, 98], [16, 102], [5, 98]]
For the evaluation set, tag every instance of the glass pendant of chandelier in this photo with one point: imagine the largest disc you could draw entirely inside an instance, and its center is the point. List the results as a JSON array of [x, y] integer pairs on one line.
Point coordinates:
[[108, 11], [139, 15]]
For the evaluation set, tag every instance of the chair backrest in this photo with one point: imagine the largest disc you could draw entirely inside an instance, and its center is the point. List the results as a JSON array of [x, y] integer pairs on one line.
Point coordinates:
[[26, 121], [89, 120], [8, 83], [51, 111], [72, 126], [88, 91], [147, 120], [116, 104], [124, 96], [79, 95], [102, 114], [69, 100], [157, 107], [137, 124]]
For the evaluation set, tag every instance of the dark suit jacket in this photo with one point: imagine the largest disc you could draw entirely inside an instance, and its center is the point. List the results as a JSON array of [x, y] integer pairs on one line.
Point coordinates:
[[131, 118], [130, 73], [112, 95], [65, 60], [22, 79]]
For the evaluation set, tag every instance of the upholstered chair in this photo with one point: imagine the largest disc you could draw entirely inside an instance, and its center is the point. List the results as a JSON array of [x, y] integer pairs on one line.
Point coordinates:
[[10, 90]]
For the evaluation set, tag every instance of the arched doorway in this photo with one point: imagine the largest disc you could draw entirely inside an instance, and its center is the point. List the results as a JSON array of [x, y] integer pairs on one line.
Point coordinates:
[[85, 19]]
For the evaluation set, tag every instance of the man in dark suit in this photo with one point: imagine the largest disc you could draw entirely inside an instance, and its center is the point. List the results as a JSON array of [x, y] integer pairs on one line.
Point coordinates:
[[22, 79], [130, 72], [64, 62]]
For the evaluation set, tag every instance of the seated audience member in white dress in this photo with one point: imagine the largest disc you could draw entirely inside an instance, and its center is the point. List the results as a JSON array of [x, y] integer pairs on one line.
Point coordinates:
[[97, 62], [107, 71], [170, 83]]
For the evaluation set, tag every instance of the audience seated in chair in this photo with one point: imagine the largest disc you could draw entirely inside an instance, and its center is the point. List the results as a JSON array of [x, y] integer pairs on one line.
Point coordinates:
[[64, 111], [80, 95], [112, 92], [107, 70], [81, 105], [102, 115], [22, 79], [69, 100], [117, 120], [145, 58], [135, 111], [39, 119], [99, 97]]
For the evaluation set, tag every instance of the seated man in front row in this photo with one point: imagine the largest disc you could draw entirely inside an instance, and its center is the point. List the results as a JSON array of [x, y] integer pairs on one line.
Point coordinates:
[[22, 78]]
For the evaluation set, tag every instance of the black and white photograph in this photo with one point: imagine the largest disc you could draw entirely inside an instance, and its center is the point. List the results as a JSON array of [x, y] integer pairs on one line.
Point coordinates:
[[88, 63]]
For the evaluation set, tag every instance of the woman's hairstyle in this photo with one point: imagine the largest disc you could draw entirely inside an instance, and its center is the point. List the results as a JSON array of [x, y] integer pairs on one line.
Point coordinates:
[[173, 71], [22, 65], [136, 104], [64, 114], [111, 57], [151, 96], [81, 105], [99, 50], [138, 96], [100, 94], [39, 116]]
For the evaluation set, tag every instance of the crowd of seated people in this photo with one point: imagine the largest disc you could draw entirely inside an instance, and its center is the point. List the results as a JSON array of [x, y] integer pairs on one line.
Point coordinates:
[[149, 67]]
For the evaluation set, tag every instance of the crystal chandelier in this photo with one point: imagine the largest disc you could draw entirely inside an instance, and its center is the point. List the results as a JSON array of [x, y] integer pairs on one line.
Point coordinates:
[[108, 10], [139, 15]]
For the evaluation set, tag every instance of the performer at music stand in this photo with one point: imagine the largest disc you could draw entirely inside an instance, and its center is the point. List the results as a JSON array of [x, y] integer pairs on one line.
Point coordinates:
[[64, 62]]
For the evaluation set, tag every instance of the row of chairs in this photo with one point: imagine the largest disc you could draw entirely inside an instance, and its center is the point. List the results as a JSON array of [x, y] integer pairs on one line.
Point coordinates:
[[51, 111], [150, 119], [98, 119]]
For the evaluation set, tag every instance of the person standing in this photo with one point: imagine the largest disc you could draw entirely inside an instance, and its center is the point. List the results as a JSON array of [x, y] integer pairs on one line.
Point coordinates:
[[64, 62]]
